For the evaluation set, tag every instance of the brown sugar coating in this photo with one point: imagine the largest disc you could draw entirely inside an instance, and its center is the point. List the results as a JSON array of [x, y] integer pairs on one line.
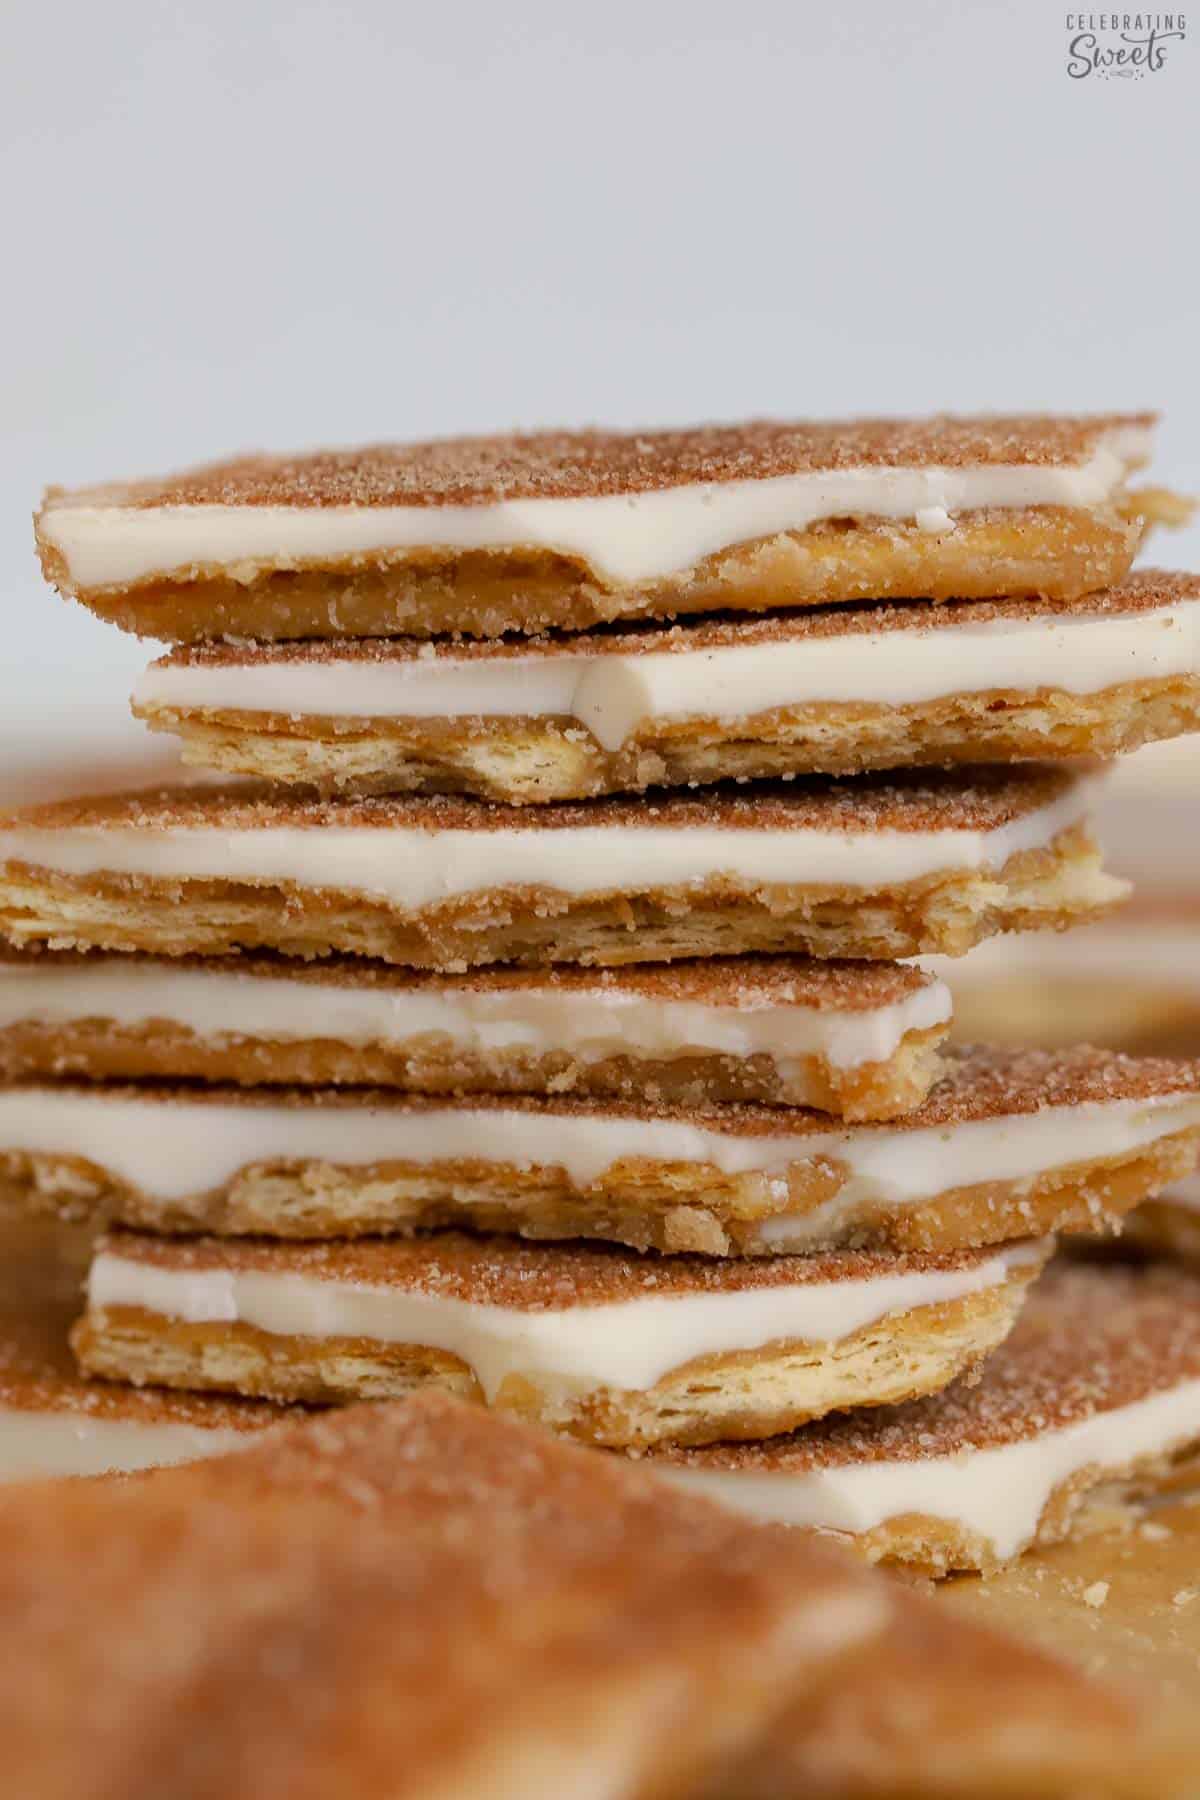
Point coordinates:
[[980, 1082], [41, 1292], [556, 465], [1092, 1337], [742, 982], [499, 1271], [973, 799], [1146, 590]]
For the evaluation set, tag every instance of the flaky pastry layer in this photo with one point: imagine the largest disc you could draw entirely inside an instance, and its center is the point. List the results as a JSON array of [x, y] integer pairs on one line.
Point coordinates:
[[535, 762], [858, 1040]]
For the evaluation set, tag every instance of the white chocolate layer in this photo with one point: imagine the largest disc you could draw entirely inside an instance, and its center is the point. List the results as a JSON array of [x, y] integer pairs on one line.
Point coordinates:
[[169, 1149], [628, 1344], [589, 1024], [614, 695], [44, 1443], [411, 868], [997, 1493], [622, 537]]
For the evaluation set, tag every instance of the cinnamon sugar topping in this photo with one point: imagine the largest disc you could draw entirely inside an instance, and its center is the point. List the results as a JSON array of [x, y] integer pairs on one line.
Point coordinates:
[[979, 1083], [981, 799], [742, 982], [394, 1602], [557, 465], [507, 1272]]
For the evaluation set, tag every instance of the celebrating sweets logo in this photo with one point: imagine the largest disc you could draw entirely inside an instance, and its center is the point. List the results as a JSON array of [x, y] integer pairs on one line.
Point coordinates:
[[1121, 46]]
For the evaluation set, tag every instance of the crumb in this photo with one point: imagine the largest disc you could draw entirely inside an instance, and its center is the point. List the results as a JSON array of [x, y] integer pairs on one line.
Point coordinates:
[[1096, 1595]]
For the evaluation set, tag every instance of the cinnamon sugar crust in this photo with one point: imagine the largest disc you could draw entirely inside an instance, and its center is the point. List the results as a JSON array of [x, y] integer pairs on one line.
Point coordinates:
[[228, 1042], [741, 983], [541, 756], [701, 913], [294, 1621], [925, 800], [1144, 590], [499, 1271], [979, 1082], [419, 1602], [556, 465], [1092, 1338], [676, 1208], [101, 1050]]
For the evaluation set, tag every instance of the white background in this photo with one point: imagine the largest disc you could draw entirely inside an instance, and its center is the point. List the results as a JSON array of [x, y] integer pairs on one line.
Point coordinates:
[[237, 224]]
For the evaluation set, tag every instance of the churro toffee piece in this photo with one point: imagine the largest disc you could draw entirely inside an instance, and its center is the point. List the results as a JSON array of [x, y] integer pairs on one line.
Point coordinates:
[[55, 1422], [1099, 1383], [612, 1348], [872, 867], [858, 1040], [1006, 1146], [419, 1602], [490, 535], [296, 1621], [831, 692]]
